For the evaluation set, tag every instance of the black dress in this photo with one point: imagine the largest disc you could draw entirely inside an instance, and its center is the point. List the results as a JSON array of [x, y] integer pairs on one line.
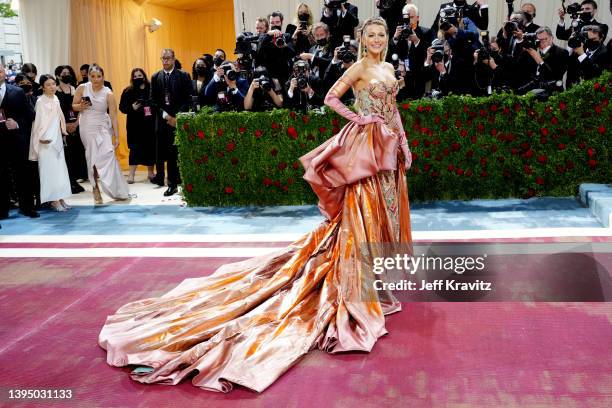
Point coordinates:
[[74, 151], [140, 125]]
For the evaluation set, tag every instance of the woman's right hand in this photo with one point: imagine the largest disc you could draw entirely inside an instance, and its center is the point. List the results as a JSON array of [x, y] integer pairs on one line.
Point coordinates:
[[136, 106], [367, 119], [84, 104]]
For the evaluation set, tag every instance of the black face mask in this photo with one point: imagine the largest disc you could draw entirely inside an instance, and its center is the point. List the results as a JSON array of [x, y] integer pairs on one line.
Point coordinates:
[[138, 82], [201, 71], [66, 79], [218, 61], [31, 77], [586, 16], [592, 44], [529, 17], [322, 42], [27, 88], [279, 28], [303, 17], [460, 2]]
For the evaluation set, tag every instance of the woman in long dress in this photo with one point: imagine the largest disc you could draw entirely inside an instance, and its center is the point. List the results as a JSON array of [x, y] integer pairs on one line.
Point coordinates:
[[47, 147], [100, 135], [250, 321]]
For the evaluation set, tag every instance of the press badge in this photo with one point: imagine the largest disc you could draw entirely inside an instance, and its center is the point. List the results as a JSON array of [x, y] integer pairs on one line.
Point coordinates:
[[147, 111]]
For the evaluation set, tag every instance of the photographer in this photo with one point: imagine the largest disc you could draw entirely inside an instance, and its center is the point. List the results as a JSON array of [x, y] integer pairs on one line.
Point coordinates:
[[273, 49], [304, 90], [438, 69], [320, 55], [590, 57], [265, 93], [547, 65], [302, 37], [487, 73], [582, 14], [227, 89], [410, 43], [472, 18], [342, 18], [344, 57], [391, 12]]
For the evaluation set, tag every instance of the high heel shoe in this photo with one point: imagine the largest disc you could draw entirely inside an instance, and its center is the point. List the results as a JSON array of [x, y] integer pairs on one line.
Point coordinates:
[[57, 206], [66, 206], [97, 196]]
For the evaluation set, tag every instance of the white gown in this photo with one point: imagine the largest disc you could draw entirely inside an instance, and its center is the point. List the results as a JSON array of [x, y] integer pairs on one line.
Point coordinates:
[[53, 173], [96, 133]]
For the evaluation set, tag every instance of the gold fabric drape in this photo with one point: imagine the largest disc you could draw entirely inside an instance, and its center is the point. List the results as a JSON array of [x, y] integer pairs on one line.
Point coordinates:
[[112, 33]]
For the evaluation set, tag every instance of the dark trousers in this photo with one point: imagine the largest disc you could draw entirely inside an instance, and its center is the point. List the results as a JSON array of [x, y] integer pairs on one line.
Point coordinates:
[[74, 153], [167, 153], [14, 156]]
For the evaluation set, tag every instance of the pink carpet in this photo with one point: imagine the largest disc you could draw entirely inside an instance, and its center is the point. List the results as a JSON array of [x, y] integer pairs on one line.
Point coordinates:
[[440, 354]]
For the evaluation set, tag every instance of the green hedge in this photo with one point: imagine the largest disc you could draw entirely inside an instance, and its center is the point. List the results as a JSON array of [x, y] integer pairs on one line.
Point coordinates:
[[463, 147]]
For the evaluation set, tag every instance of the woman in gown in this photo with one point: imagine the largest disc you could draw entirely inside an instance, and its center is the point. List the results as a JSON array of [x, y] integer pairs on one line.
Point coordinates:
[[100, 135], [47, 147], [250, 321]]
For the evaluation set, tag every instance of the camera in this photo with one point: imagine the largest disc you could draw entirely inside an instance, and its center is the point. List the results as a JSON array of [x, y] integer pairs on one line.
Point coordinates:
[[530, 40], [333, 4], [512, 26], [438, 55], [345, 54], [303, 23], [407, 30], [264, 83], [449, 15], [574, 10], [229, 72], [301, 71], [244, 43], [577, 39]]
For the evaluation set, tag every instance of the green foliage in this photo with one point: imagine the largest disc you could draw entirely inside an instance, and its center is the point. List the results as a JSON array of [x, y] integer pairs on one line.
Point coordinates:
[[463, 147], [6, 11]]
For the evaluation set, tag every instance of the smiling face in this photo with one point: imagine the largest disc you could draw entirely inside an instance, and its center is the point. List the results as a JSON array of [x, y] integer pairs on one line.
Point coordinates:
[[375, 39]]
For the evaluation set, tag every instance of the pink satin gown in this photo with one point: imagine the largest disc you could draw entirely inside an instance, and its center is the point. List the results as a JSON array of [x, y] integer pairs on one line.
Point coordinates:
[[250, 321]]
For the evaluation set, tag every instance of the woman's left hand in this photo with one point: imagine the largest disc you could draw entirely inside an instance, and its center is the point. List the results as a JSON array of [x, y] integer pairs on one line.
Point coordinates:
[[115, 142]]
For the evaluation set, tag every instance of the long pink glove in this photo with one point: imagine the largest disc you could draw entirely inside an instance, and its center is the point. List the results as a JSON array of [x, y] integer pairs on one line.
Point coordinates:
[[334, 102], [403, 141]]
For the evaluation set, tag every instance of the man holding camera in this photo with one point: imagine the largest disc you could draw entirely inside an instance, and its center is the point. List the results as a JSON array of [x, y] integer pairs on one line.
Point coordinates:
[[273, 49], [265, 93], [410, 43], [581, 17], [171, 93], [344, 57], [320, 55], [473, 17], [227, 88], [590, 56], [304, 90], [342, 18], [391, 12]]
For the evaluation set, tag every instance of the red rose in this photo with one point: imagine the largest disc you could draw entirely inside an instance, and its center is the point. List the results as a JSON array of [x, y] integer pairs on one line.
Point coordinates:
[[473, 139], [548, 109], [282, 166], [483, 113], [427, 154], [444, 128], [427, 167], [480, 128], [603, 89], [493, 108], [296, 165], [200, 134], [189, 187], [561, 146], [581, 145], [460, 172], [428, 109], [571, 131], [591, 152], [483, 161], [292, 114], [436, 142], [493, 148], [210, 177], [525, 146], [234, 161], [275, 125], [469, 173], [277, 183], [455, 146], [204, 158], [405, 106], [220, 154], [230, 146], [446, 151], [506, 110], [539, 180], [596, 86], [186, 126], [465, 108], [437, 119], [274, 152], [543, 140], [335, 122], [267, 181], [562, 106], [544, 131], [463, 133], [229, 190], [605, 102], [258, 133], [517, 107], [191, 138], [438, 157], [493, 132], [602, 129], [592, 163], [414, 156], [242, 129], [458, 124], [335, 130], [528, 154], [515, 151], [554, 120], [598, 109], [420, 108], [322, 129], [292, 133], [305, 119], [451, 167], [415, 143], [542, 159], [219, 132]]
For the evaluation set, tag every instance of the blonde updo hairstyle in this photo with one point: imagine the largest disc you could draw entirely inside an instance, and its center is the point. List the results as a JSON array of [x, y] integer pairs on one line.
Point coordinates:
[[362, 31]]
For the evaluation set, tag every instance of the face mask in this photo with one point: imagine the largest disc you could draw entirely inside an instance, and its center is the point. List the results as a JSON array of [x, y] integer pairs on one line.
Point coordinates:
[[322, 42], [138, 82], [586, 16], [460, 2], [66, 79], [303, 17], [592, 44], [31, 76], [276, 28], [201, 71], [529, 17], [218, 61], [27, 88]]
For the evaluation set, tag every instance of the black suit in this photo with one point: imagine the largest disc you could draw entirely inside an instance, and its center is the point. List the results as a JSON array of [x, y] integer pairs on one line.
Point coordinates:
[[339, 25], [321, 60], [479, 16], [171, 94], [416, 56], [14, 149], [590, 67], [552, 69], [565, 33]]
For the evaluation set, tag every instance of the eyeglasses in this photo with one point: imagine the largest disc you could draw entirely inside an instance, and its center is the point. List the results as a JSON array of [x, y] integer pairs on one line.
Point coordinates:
[[167, 58]]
